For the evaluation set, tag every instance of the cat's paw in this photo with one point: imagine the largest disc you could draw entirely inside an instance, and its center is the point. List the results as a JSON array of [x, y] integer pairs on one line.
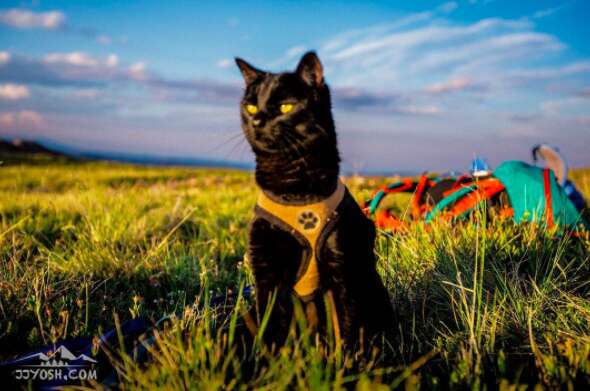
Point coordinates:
[[308, 220]]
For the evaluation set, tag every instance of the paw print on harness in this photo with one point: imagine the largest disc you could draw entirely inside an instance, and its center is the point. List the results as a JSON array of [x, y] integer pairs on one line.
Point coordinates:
[[308, 220]]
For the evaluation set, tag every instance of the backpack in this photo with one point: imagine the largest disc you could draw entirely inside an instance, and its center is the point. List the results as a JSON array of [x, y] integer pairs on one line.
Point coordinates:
[[516, 189]]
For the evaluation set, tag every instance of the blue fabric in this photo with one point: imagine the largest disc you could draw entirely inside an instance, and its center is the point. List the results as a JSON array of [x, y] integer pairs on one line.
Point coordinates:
[[526, 190]]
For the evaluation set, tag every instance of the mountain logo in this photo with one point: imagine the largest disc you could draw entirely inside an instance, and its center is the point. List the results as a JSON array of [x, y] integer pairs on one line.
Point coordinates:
[[57, 367], [60, 357]]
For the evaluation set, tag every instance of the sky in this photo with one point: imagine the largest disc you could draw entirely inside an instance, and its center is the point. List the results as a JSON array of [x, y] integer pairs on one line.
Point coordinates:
[[416, 85]]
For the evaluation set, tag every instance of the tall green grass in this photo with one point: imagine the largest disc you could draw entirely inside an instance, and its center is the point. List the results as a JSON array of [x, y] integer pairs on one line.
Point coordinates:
[[483, 304]]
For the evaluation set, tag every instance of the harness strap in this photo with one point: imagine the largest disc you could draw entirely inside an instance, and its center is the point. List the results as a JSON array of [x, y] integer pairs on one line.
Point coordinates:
[[309, 221]]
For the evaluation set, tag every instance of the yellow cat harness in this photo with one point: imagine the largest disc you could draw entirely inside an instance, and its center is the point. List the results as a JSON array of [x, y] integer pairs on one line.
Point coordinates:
[[309, 221]]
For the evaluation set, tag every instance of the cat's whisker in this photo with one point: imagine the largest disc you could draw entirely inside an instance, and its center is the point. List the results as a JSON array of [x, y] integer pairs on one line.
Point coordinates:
[[237, 144], [321, 129], [294, 144], [231, 137]]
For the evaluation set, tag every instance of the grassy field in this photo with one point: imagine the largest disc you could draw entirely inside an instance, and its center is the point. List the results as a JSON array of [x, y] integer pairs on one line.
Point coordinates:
[[86, 245]]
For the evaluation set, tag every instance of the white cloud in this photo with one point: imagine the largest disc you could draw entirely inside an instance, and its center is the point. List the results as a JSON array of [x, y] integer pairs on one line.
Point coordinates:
[[24, 120], [82, 60], [295, 51], [104, 39], [549, 11], [369, 33], [86, 93], [30, 119], [289, 55], [224, 63], [73, 58], [448, 7], [568, 105], [4, 57], [456, 84], [420, 110], [112, 60], [415, 53], [422, 47], [429, 35], [20, 18], [6, 121], [11, 91], [574, 68], [476, 57], [137, 70]]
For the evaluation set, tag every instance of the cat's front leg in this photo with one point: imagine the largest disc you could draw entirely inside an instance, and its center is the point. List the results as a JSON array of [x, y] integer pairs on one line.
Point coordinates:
[[350, 273], [274, 258], [335, 281]]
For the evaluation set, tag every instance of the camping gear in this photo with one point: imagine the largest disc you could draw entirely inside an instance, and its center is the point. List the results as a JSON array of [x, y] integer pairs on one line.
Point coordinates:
[[575, 196], [479, 167], [515, 189], [91, 352], [553, 160], [76, 353], [532, 198]]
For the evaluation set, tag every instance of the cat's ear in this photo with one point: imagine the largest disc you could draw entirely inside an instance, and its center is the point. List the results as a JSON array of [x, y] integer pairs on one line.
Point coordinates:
[[248, 71], [310, 69]]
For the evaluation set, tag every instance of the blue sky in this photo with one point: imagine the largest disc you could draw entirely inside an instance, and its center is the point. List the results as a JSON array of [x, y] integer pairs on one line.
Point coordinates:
[[416, 84]]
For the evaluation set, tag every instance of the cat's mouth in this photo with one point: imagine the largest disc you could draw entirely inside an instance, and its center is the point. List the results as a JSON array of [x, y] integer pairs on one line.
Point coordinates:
[[284, 144], [260, 147], [268, 146]]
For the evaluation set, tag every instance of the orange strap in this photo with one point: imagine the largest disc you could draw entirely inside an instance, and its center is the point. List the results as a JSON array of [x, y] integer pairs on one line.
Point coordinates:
[[461, 180], [486, 188], [417, 206], [385, 220], [506, 213]]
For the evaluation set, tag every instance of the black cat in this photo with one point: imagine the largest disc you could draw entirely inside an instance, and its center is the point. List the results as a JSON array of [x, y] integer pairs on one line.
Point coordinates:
[[309, 238]]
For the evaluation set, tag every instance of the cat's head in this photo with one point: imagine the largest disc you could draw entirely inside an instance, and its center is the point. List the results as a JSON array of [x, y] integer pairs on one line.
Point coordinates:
[[287, 113]]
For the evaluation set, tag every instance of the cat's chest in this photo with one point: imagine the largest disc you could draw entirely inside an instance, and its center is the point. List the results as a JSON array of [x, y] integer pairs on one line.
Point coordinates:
[[309, 225]]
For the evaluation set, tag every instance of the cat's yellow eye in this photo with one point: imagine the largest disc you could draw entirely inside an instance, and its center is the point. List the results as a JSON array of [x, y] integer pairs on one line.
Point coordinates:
[[286, 107], [251, 109]]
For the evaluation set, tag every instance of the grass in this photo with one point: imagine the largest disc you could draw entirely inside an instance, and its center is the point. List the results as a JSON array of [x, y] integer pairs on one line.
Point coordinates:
[[85, 246]]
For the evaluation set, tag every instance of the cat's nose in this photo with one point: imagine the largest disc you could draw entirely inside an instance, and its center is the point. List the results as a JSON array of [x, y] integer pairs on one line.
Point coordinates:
[[259, 120]]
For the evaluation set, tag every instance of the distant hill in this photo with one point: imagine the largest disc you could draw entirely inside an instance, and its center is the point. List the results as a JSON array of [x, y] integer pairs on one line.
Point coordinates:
[[44, 151], [19, 151], [26, 146]]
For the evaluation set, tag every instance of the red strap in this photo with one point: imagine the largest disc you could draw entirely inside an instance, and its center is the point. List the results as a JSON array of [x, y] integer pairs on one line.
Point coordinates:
[[417, 198], [486, 188], [506, 213], [386, 220], [407, 184], [461, 180], [548, 204]]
